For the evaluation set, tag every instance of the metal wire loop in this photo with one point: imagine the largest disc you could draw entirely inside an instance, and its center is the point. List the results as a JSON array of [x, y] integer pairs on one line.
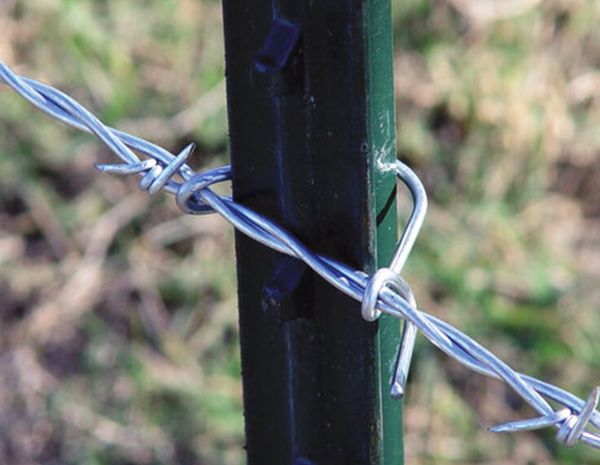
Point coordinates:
[[382, 278], [411, 231], [187, 198], [385, 277]]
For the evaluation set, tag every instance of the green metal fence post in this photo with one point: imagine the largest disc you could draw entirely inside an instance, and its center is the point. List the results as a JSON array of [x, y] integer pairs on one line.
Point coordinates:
[[311, 121]]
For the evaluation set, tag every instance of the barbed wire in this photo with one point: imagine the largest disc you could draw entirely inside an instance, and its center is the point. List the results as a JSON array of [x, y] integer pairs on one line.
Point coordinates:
[[384, 292]]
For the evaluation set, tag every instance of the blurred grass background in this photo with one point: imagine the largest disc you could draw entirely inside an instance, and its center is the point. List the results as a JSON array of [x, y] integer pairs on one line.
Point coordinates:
[[118, 323]]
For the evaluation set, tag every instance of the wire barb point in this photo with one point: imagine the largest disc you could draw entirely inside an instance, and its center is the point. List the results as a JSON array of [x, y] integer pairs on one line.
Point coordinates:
[[123, 169], [571, 425], [572, 429], [169, 171], [532, 423]]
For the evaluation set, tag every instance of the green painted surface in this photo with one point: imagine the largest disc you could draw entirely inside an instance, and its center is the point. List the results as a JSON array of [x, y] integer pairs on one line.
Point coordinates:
[[382, 136], [311, 155]]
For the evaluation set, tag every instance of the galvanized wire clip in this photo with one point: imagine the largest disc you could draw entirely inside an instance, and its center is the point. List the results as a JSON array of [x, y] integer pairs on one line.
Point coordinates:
[[390, 277], [385, 292]]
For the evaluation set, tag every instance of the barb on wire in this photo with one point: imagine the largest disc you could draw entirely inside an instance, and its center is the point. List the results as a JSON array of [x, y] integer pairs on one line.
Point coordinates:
[[194, 196]]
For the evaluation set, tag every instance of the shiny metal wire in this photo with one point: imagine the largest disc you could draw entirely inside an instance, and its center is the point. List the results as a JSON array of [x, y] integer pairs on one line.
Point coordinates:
[[167, 172]]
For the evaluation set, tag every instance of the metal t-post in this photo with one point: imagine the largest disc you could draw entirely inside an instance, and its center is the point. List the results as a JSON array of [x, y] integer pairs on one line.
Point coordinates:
[[311, 121]]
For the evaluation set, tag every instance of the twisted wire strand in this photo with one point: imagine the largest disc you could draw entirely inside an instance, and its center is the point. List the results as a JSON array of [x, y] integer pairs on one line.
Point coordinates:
[[194, 195]]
